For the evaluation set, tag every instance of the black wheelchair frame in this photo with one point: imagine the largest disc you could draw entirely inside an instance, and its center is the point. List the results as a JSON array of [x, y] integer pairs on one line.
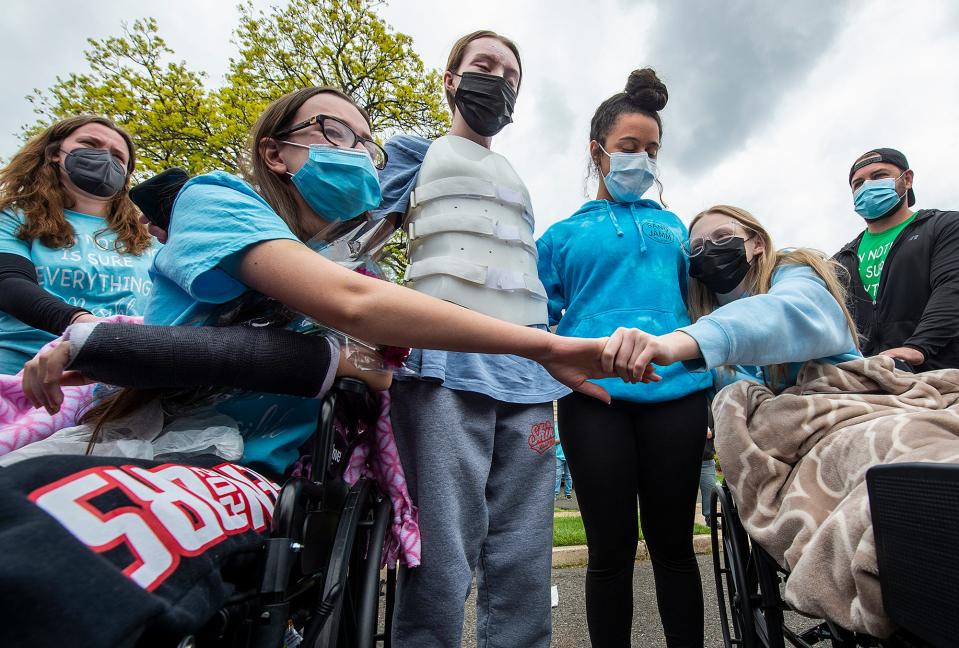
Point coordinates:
[[914, 521], [318, 573]]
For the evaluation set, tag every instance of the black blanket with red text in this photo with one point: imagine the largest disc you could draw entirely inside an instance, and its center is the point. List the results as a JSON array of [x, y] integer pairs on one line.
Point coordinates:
[[101, 551]]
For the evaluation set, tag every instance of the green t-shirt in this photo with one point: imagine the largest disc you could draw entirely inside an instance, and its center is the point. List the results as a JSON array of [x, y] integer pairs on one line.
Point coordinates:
[[873, 249]]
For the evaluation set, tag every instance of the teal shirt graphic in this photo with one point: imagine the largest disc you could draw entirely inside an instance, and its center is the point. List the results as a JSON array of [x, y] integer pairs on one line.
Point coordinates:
[[90, 274]]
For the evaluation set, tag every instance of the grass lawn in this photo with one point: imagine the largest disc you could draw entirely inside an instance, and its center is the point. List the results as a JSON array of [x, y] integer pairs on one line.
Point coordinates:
[[569, 531]]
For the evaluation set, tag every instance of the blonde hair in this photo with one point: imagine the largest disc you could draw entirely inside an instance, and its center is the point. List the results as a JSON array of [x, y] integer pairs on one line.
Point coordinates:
[[31, 183], [702, 301]]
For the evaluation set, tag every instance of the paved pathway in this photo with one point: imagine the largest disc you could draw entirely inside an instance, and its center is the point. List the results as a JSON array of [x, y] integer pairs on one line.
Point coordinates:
[[569, 619]]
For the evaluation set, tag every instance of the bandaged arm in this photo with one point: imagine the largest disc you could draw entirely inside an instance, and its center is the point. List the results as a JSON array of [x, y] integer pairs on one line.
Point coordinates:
[[267, 360]]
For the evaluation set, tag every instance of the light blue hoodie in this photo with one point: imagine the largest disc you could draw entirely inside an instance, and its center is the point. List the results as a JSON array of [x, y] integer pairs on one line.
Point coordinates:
[[620, 264], [796, 321]]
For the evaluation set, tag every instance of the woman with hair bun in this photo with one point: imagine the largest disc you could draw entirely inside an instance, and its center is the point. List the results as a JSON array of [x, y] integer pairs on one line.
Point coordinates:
[[618, 262]]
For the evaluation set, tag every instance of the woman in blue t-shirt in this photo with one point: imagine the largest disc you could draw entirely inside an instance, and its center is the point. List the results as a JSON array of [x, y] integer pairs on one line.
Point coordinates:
[[71, 244], [617, 262], [313, 164]]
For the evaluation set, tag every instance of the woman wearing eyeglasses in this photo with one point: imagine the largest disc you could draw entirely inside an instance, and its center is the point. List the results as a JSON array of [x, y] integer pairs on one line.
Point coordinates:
[[617, 262], [312, 164], [758, 313]]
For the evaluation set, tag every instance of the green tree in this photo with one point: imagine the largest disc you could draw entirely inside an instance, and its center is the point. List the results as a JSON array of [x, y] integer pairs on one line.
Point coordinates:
[[176, 119], [173, 118]]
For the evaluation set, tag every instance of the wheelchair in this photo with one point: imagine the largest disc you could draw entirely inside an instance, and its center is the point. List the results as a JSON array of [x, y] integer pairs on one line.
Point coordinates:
[[317, 581], [915, 525]]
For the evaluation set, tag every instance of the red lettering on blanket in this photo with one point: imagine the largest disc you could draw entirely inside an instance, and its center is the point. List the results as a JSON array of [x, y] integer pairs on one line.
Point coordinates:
[[177, 511], [541, 438]]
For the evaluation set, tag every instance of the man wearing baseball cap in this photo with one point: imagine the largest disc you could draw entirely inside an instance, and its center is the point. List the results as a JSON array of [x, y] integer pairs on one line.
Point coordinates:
[[903, 289]]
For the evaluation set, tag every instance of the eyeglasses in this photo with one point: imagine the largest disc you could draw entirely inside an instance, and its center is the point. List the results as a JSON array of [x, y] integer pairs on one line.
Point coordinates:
[[719, 236], [339, 134]]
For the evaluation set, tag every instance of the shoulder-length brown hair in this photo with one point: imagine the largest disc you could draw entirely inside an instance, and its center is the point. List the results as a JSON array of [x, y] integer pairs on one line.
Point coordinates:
[[30, 183], [278, 190], [758, 280]]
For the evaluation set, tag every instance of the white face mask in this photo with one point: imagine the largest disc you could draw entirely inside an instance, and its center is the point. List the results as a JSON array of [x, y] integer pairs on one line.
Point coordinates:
[[630, 175]]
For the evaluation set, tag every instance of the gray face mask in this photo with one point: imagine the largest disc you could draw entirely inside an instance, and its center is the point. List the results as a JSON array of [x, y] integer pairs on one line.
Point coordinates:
[[95, 171]]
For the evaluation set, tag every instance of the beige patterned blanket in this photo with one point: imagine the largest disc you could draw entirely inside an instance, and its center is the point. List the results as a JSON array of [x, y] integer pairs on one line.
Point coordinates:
[[796, 464]]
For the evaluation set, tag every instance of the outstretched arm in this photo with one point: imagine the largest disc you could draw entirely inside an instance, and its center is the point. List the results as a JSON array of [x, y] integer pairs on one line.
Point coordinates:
[[384, 313], [157, 357]]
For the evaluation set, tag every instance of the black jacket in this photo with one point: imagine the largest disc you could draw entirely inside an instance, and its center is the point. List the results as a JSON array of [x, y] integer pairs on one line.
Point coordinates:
[[917, 302]]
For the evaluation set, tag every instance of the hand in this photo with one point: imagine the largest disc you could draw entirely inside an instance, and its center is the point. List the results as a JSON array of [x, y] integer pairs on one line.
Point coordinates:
[[630, 352], [160, 234], [709, 433], [44, 378], [572, 360], [910, 355]]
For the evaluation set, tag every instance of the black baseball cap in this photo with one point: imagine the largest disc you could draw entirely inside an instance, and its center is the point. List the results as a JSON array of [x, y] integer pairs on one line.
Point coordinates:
[[155, 196], [889, 156]]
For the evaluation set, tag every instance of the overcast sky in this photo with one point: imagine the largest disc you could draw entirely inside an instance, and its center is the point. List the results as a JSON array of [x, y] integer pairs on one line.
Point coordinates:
[[769, 102]]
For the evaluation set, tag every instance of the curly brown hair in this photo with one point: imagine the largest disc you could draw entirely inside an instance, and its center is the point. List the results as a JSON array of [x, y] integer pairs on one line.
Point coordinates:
[[30, 183]]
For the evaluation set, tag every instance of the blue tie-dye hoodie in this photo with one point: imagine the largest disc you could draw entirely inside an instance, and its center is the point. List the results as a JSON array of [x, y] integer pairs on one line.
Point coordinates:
[[620, 264]]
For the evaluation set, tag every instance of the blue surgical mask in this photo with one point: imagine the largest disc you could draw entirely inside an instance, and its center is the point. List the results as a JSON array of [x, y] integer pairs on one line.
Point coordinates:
[[630, 175], [337, 183], [876, 198]]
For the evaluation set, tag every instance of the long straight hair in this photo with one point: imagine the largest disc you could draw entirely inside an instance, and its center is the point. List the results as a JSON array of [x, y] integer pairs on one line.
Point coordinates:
[[31, 184], [278, 191], [702, 301]]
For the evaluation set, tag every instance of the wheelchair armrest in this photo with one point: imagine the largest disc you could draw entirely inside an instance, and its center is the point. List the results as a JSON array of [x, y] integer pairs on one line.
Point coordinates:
[[355, 402], [915, 517]]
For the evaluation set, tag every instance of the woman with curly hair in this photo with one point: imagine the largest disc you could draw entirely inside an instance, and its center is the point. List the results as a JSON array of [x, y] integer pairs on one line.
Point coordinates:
[[72, 247]]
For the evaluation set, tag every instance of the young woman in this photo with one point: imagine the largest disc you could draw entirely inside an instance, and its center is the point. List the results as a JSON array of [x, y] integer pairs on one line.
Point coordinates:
[[618, 262], [312, 160], [71, 244], [474, 432], [758, 313]]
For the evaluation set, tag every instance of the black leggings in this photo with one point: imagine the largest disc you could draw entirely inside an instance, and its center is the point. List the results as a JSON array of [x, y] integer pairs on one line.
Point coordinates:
[[616, 452]]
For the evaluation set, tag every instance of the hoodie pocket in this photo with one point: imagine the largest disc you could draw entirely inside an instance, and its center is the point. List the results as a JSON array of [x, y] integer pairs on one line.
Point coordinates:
[[649, 320]]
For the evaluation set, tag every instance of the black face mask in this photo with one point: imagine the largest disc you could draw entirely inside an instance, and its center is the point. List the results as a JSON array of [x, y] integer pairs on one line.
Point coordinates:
[[486, 102], [95, 171], [720, 267]]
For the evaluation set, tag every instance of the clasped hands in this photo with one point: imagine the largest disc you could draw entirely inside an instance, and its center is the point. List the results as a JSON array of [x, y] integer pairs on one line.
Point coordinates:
[[628, 353]]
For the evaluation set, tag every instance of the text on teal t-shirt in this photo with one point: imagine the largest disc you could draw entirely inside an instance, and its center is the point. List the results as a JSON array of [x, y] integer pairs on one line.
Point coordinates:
[[90, 274]]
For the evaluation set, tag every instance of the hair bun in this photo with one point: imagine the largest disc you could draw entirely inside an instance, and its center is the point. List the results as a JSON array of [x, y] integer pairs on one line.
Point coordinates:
[[646, 90]]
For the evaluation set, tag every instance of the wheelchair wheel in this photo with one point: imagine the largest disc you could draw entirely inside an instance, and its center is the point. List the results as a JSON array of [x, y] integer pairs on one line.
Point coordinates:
[[348, 612], [730, 555]]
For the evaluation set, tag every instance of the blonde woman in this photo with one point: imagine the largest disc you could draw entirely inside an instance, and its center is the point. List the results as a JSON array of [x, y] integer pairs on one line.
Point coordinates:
[[757, 313]]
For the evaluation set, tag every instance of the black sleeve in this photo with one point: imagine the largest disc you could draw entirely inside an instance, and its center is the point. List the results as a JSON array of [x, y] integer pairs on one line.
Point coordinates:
[[257, 359], [22, 297], [939, 324]]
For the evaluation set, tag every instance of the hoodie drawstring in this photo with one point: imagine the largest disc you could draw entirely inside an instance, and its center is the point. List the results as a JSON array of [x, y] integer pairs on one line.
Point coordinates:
[[639, 229], [612, 217]]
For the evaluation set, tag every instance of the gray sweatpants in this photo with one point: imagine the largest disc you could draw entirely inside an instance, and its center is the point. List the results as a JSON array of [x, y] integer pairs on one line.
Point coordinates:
[[481, 472]]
